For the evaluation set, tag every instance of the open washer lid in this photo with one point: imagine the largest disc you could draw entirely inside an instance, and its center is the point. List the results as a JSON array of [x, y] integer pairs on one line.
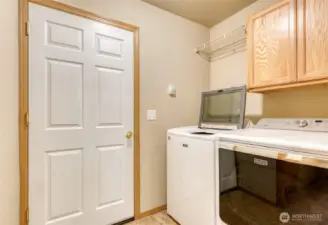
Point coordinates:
[[223, 109]]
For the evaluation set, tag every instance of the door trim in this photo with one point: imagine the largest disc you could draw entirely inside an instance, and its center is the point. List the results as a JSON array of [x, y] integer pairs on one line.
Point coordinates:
[[153, 211], [23, 97]]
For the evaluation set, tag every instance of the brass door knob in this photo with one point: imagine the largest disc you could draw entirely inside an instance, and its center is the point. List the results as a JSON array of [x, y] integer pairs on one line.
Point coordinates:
[[128, 135]]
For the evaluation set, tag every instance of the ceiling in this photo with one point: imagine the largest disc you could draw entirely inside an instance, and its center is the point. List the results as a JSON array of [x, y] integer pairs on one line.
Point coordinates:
[[206, 12]]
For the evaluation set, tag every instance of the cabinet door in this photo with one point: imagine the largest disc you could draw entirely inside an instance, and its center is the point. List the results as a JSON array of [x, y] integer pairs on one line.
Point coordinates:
[[312, 39], [272, 45]]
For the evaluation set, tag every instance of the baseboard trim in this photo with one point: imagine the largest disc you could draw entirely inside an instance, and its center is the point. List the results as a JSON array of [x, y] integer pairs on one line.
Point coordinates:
[[151, 212], [125, 221], [173, 219]]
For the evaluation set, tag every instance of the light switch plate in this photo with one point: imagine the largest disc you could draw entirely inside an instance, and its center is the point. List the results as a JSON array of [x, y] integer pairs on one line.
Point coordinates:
[[151, 114]]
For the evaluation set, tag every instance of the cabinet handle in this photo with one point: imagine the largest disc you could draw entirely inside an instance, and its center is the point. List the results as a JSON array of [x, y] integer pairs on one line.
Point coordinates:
[[185, 145]]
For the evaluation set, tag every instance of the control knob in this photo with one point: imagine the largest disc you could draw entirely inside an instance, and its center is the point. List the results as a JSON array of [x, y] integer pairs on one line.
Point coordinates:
[[302, 123]]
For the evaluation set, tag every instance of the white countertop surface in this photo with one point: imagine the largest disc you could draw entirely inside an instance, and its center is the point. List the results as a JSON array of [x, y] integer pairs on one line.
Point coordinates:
[[296, 140]]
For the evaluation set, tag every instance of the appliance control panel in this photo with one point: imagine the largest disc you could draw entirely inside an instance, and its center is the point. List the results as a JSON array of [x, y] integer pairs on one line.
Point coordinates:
[[304, 124]]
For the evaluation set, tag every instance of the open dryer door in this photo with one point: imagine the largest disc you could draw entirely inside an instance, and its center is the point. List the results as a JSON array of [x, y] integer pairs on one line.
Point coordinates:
[[272, 186]]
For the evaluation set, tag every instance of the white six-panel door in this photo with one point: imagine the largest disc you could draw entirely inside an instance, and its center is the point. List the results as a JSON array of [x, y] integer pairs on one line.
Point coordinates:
[[80, 107]]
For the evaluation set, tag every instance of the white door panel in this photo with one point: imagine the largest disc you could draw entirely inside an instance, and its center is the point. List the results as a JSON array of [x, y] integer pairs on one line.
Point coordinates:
[[80, 106]]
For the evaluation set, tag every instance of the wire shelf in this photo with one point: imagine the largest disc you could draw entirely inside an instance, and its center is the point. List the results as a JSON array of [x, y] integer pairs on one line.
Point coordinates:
[[225, 45]]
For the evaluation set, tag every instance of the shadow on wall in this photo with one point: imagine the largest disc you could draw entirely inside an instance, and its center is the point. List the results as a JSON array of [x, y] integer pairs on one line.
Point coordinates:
[[304, 102]]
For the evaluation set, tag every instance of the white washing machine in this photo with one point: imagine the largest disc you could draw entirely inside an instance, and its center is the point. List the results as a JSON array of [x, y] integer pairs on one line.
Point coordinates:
[[191, 155]]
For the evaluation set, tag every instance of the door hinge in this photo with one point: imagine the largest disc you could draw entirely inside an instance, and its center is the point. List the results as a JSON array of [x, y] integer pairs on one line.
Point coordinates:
[[27, 28], [27, 216], [27, 120]]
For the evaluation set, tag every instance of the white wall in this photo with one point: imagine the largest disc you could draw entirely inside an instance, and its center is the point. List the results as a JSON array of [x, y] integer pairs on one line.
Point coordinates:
[[167, 56], [232, 70], [9, 157]]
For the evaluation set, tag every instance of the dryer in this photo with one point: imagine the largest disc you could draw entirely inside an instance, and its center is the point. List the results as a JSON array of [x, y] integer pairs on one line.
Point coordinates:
[[191, 157], [274, 173]]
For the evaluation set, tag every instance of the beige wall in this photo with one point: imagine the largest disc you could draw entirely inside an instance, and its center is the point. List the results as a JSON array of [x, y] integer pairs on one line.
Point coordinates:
[[303, 102], [231, 70], [9, 157], [167, 57]]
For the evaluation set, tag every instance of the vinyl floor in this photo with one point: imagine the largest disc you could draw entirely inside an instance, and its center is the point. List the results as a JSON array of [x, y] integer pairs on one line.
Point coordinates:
[[160, 218]]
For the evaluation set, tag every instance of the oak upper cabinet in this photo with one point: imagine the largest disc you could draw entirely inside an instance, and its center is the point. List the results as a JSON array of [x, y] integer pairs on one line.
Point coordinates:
[[312, 39], [272, 45]]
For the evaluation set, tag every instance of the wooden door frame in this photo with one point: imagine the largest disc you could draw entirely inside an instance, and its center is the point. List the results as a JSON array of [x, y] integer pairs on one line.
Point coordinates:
[[23, 97]]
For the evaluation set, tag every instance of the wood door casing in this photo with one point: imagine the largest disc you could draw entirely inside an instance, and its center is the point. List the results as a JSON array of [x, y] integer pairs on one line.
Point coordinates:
[[272, 46], [312, 39]]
